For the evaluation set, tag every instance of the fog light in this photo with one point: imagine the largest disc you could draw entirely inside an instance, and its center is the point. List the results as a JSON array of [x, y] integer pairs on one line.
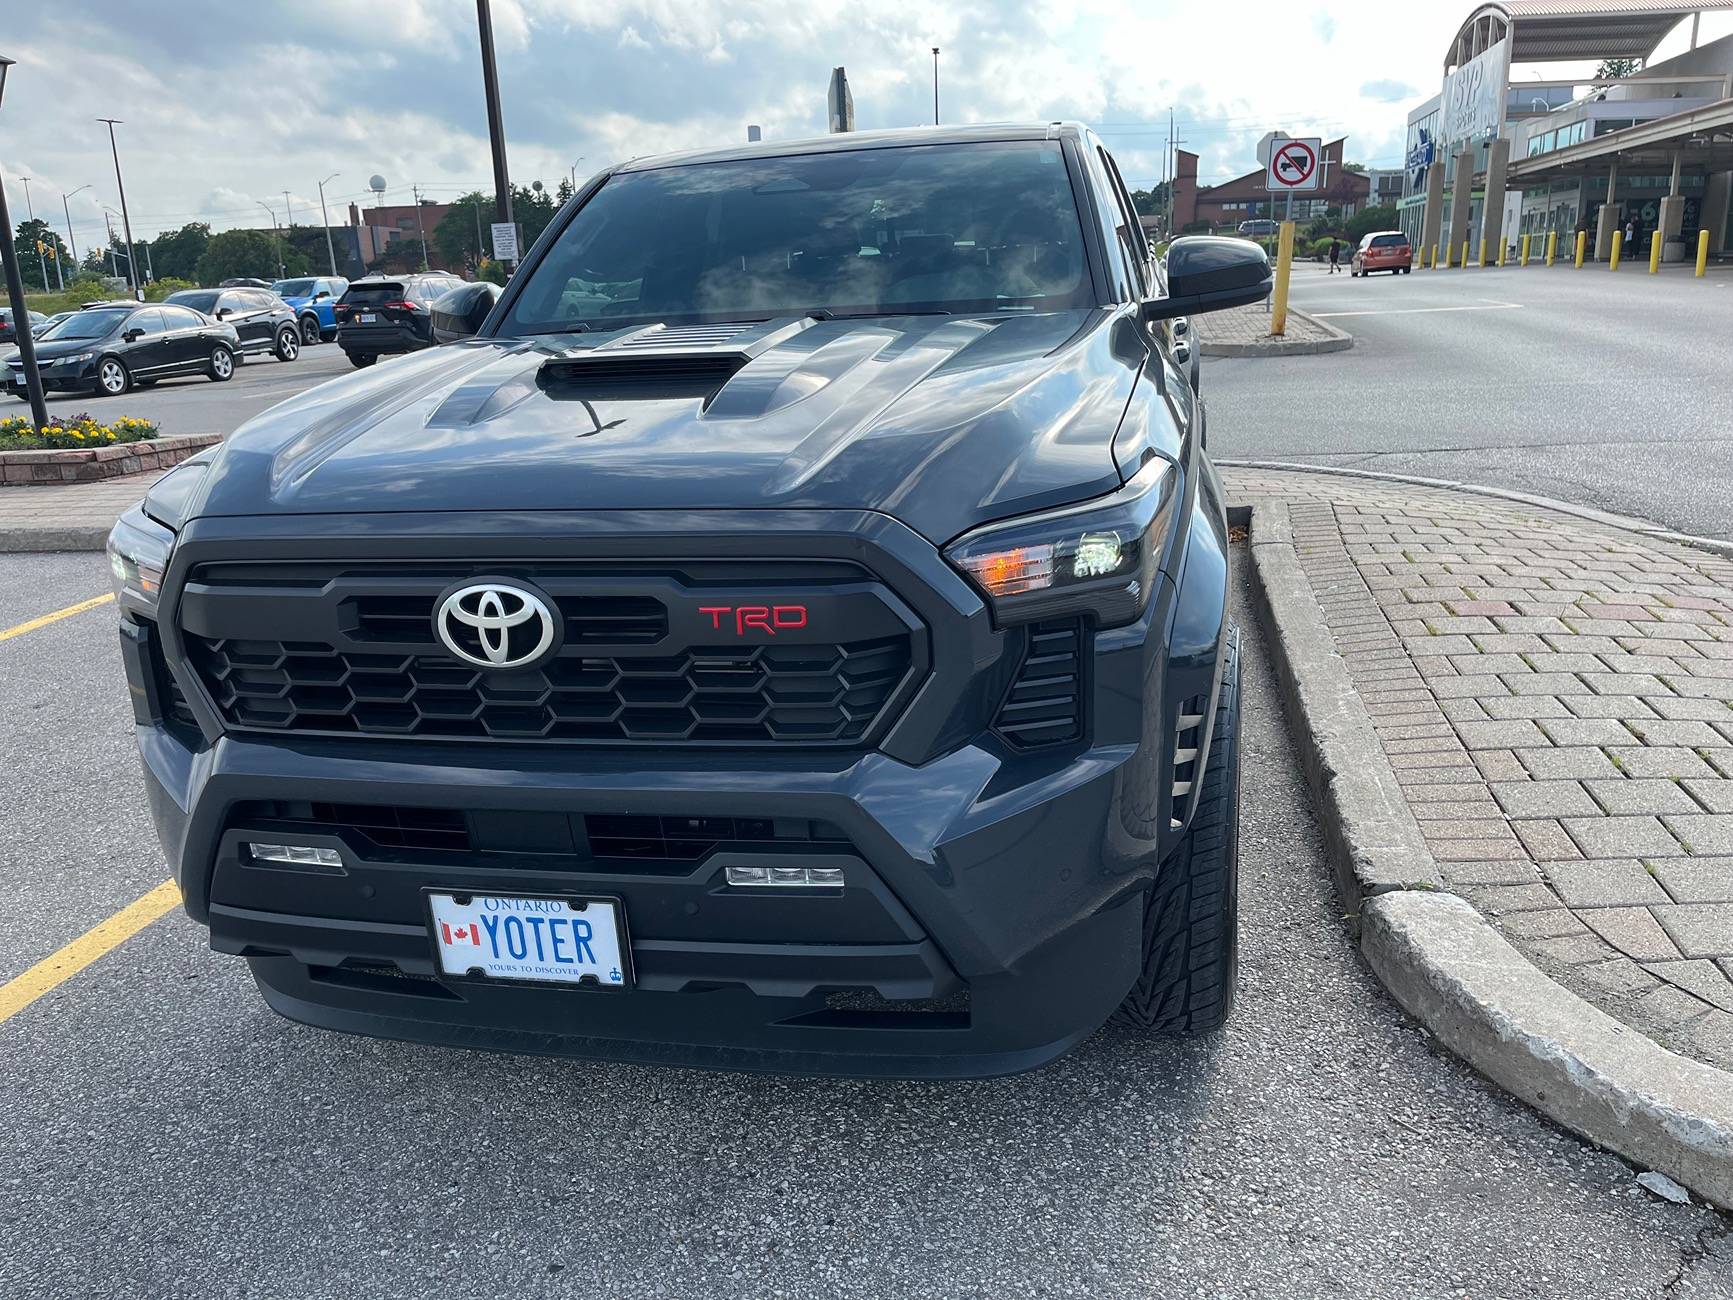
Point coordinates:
[[298, 855], [797, 877]]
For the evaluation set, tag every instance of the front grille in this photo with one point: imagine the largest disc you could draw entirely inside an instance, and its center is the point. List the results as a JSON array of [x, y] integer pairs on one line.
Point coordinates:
[[688, 839], [1045, 703], [642, 660]]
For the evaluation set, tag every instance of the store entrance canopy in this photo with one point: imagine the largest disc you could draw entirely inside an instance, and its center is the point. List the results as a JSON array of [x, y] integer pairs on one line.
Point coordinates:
[[1551, 31]]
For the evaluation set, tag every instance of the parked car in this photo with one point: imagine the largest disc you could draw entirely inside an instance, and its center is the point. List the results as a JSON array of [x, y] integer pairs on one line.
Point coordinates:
[[264, 322], [380, 315], [314, 298], [812, 654], [37, 320], [1259, 228], [243, 282], [1383, 250], [109, 348]]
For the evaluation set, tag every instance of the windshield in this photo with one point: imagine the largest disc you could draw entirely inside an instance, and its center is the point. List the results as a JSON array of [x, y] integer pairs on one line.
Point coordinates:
[[293, 288], [954, 228], [86, 324], [204, 300]]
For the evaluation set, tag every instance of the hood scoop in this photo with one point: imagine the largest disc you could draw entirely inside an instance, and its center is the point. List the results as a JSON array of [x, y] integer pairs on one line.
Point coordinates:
[[664, 361]]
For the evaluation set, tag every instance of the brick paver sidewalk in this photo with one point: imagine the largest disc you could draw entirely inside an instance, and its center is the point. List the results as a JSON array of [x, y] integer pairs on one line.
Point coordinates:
[[66, 517], [1556, 698], [1251, 325]]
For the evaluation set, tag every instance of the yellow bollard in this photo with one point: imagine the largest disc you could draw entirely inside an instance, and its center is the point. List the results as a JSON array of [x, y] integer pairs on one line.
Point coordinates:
[[1551, 246], [1582, 247], [1525, 240], [1482, 261], [1654, 252], [1618, 248], [1435, 257], [1284, 265], [1503, 249], [1703, 251], [1465, 254]]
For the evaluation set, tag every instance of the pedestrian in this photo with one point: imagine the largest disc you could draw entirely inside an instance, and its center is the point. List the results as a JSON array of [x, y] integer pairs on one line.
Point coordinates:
[[1335, 255], [1631, 234]]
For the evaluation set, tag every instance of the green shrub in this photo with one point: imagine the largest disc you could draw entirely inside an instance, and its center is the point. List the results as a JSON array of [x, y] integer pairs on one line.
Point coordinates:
[[157, 290], [75, 433]]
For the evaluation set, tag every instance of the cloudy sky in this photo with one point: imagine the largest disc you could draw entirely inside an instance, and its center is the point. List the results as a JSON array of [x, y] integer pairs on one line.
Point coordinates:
[[227, 105]]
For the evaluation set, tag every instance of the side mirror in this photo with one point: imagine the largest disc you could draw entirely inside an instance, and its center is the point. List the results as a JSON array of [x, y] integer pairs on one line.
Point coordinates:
[[462, 312], [322, 294], [222, 313], [1209, 273], [133, 335]]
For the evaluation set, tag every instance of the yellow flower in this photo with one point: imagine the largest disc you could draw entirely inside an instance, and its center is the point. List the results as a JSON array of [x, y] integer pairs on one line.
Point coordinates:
[[78, 435]]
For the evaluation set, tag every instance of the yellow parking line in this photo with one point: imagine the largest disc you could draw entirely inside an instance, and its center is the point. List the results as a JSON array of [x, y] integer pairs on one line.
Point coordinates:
[[52, 971], [55, 617]]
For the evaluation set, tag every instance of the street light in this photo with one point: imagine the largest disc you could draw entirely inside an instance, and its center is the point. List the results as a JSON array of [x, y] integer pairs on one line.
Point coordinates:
[[276, 247], [330, 248], [935, 85], [41, 262], [71, 239], [581, 158], [15, 292], [125, 220]]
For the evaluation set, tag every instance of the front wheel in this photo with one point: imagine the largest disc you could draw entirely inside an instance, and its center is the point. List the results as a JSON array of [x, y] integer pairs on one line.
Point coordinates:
[[1191, 919], [222, 364], [112, 377], [309, 330], [288, 343]]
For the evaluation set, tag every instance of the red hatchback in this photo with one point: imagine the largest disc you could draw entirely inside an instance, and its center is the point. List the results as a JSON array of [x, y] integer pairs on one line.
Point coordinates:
[[1383, 250]]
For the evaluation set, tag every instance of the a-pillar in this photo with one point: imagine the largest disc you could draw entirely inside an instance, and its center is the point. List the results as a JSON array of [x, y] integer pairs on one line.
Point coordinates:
[[1492, 205], [1672, 219], [1611, 215], [1461, 191], [1432, 219]]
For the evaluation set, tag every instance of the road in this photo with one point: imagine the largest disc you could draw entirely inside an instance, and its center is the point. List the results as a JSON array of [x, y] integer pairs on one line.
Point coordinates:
[[196, 405], [164, 1135], [1600, 389]]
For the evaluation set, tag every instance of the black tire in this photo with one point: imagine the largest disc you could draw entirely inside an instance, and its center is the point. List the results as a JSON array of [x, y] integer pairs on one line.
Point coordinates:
[[361, 360], [144, 383], [221, 366], [310, 333], [1191, 921], [113, 379], [288, 344]]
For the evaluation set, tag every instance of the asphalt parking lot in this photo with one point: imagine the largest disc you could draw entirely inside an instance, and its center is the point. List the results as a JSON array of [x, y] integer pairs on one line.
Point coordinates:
[[1605, 389], [166, 1135], [196, 404]]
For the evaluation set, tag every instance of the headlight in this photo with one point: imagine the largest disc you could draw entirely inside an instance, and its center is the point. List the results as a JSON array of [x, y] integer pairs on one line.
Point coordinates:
[[138, 555], [1101, 556], [73, 361]]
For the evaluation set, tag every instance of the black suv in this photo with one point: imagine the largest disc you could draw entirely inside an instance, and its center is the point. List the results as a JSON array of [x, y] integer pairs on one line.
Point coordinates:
[[261, 319], [791, 634], [109, 348], [377, 316]]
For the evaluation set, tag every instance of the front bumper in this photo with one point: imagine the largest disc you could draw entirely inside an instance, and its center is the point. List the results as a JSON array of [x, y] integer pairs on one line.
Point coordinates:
[[55, 375], [991, 919]]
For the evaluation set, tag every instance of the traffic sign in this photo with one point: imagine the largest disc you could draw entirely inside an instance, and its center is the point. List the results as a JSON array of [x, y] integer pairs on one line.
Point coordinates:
[[1270, 141], [505, 241], [1293, 166]]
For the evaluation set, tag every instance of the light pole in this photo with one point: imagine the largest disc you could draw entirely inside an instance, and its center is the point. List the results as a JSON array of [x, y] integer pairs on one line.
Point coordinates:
[[15, 292], [71, 239], [935, 85], [288, 215], [581, 158], [415, 193], [324, 216], [276, 247], [41, 262], [495, 123], [125, 220]]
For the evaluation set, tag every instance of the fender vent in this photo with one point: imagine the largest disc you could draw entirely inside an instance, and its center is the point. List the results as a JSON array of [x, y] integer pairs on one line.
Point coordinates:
[[1045, 703], [1187, 738]]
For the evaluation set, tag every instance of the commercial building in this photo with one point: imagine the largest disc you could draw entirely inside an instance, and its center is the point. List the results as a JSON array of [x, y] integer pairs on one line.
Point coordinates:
[[1245, 198], [392, 229], [1491, 157]]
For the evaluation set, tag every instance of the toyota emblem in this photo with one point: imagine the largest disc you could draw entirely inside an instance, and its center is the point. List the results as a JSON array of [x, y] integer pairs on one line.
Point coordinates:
[[497, 625]]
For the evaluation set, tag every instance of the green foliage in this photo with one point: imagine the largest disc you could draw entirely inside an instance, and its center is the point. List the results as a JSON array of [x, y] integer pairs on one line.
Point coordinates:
[[1150, 202], [455, 236], [175, 253], [161, 288], [492, 271], [33, 265], [235, 253], [1364, 222], [1614, 69], [532, 210]]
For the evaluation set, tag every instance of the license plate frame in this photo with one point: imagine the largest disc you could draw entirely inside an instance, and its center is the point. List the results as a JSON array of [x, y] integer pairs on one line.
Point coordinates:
[[368, 317], [574, 903]]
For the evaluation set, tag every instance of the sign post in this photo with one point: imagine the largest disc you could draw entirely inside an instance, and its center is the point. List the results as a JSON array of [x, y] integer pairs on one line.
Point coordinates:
[[1292, 165]]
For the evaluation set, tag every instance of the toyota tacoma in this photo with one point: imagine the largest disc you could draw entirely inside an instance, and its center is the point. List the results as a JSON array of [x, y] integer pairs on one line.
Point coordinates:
[[787, 631]]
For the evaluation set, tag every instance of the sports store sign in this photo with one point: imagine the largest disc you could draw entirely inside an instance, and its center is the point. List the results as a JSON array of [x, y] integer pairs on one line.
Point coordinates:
[[1472, 104]]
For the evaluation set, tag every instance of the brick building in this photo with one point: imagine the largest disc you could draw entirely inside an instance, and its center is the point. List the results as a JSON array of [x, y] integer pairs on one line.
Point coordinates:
[[393, 229], [1245, 198]]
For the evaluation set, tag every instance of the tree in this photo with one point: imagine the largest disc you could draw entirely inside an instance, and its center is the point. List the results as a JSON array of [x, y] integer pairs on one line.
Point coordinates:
[[36, 263], [250, 253], [1614, 69], [176, 253], [1367, 220], [1150, 202], [564, 190], [455, 236], [1359, 169], [532, 209]]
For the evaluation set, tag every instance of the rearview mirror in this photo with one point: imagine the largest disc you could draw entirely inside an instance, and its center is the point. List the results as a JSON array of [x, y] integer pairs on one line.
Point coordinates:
[[1209, 273], [461, 313]]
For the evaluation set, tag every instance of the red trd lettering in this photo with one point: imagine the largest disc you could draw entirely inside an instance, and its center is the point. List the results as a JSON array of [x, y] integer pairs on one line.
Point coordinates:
[[757, 616], [716, 612], [789, 616], [767, 619]]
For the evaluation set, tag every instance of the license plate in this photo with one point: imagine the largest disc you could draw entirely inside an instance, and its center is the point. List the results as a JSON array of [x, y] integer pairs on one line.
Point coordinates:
[[367, 318], [530, 939]]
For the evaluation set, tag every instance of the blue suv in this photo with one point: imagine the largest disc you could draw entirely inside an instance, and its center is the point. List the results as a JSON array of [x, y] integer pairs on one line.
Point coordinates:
[[313, 297]]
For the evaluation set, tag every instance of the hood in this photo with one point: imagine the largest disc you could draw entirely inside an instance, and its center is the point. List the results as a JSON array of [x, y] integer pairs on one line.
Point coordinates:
[[49, 349], [942, 422]]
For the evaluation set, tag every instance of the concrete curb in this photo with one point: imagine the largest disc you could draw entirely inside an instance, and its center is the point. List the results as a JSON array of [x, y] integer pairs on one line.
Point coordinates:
[[1642, 527], [1440, 959], [23, 541], [1336, 340]]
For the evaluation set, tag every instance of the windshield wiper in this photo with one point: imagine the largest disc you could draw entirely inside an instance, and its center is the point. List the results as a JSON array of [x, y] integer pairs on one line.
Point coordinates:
[[825, 313]]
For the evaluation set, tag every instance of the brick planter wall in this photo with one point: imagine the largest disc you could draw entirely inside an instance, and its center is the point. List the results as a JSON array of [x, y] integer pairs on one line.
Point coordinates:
[[24, 468]]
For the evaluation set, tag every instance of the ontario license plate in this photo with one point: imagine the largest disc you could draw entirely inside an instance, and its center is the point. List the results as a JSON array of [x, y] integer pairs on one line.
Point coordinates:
[[367, 318], [527, 939]]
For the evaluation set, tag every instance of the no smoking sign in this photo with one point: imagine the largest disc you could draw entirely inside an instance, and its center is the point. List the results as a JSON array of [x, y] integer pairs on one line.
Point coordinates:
[[1293, 166]]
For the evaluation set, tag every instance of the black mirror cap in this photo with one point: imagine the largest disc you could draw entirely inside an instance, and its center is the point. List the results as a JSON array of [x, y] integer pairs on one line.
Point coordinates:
[[1209, 273], [462, 312]]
